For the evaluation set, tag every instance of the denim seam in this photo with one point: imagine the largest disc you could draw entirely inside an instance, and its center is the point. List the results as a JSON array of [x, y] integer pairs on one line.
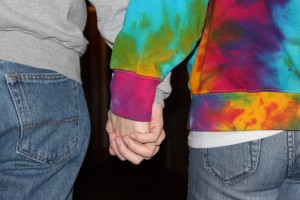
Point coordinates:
[[37, 77], [17, 95], [291, 152], [45, 160], [39, 158], [78, 113], [17, 110], [50, 123], [254, 162], [26, 115]]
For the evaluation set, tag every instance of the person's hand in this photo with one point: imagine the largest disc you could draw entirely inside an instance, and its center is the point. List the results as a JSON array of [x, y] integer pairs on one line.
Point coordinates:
[[135, 141], [117, 127]]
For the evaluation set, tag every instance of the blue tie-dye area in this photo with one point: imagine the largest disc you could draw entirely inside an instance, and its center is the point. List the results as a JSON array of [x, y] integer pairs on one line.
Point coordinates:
[[245, 63], [158, 35], [284, 75], [142, 22], [284, 64], [148, 17], [286, 17]]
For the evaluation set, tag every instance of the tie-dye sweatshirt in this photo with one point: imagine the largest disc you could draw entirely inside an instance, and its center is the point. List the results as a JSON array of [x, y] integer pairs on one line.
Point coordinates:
[[244, 61]]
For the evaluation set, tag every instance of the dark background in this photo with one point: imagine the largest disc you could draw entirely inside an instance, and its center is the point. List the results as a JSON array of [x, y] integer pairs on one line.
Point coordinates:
[[105, 177]]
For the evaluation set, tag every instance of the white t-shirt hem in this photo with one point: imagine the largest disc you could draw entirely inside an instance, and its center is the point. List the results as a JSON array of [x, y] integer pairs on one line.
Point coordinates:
[[219, 139]]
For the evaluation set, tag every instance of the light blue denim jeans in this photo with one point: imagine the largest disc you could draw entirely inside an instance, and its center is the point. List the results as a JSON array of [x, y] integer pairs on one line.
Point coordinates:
[[266, 169], [44, 133]]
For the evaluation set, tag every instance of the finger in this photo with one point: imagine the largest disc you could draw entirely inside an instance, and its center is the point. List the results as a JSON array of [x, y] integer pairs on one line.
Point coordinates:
[[113, 146], [161, 138], [111, 152], [116, 151], [150, 137], [155, 152], [127, 154], [144, 150], [110, 134]]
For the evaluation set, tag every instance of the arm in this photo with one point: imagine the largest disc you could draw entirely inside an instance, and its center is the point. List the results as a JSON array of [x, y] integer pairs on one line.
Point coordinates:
[[162, 59], [157, 35], [110, 16]]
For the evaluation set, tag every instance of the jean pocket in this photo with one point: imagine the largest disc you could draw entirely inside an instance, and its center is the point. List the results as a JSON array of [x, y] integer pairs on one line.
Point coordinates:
[[47, 109], [232, 163]]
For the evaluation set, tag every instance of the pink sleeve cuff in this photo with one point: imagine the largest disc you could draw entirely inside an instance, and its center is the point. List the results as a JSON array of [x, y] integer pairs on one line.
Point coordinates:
[[132, 95]]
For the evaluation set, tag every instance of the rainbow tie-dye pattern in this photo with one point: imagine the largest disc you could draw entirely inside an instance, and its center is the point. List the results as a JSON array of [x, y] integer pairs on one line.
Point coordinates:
[[244, 61]]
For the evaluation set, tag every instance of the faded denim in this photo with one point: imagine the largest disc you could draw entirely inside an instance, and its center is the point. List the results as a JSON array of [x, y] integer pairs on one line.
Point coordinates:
[[266, 169], [44, 133]]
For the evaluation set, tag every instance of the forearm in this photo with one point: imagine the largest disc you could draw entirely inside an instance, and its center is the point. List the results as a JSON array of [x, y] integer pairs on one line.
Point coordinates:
[[156, 37]]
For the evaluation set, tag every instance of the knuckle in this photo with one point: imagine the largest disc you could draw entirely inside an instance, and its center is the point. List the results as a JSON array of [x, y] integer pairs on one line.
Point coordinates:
[[156, 150], [138, 161], [107, 126], [150, 153]]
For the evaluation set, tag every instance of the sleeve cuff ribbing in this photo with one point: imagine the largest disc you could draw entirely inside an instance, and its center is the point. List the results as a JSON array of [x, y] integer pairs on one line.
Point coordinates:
[[132, 95]]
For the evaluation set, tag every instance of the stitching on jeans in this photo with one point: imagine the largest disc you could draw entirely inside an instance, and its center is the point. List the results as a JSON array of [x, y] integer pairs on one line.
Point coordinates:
[[291, 153], [46, 160], [78, 112], [37, 77], [232, 180], [50, 123], [17, 95]]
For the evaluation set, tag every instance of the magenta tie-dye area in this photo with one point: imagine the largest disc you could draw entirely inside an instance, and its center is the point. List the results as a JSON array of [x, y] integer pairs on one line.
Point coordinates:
[[244, 61]]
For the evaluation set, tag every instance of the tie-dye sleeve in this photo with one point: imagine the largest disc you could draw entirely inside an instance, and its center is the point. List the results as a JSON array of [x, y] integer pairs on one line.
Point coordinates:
[[157, 35]]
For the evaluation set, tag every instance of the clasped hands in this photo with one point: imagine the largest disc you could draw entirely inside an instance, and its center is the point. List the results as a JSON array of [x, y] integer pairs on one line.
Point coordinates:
[[135, 141]]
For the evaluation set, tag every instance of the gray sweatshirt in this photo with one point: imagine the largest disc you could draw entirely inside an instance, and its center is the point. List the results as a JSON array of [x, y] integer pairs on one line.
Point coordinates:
[[48, 34]]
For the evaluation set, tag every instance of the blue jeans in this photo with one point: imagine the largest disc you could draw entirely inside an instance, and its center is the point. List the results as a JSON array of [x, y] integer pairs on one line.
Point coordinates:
[[44, 133], [266, 169]]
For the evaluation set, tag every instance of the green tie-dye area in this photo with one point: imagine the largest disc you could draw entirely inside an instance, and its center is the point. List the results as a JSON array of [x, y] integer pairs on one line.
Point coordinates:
[[164, 47]]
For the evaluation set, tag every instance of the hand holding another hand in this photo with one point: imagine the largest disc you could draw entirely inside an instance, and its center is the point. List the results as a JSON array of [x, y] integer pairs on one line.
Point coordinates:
[[133, 140]]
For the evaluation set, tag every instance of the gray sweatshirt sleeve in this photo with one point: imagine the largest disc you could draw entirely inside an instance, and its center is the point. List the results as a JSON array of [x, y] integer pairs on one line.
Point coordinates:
[[110, 16], [163, 90]]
